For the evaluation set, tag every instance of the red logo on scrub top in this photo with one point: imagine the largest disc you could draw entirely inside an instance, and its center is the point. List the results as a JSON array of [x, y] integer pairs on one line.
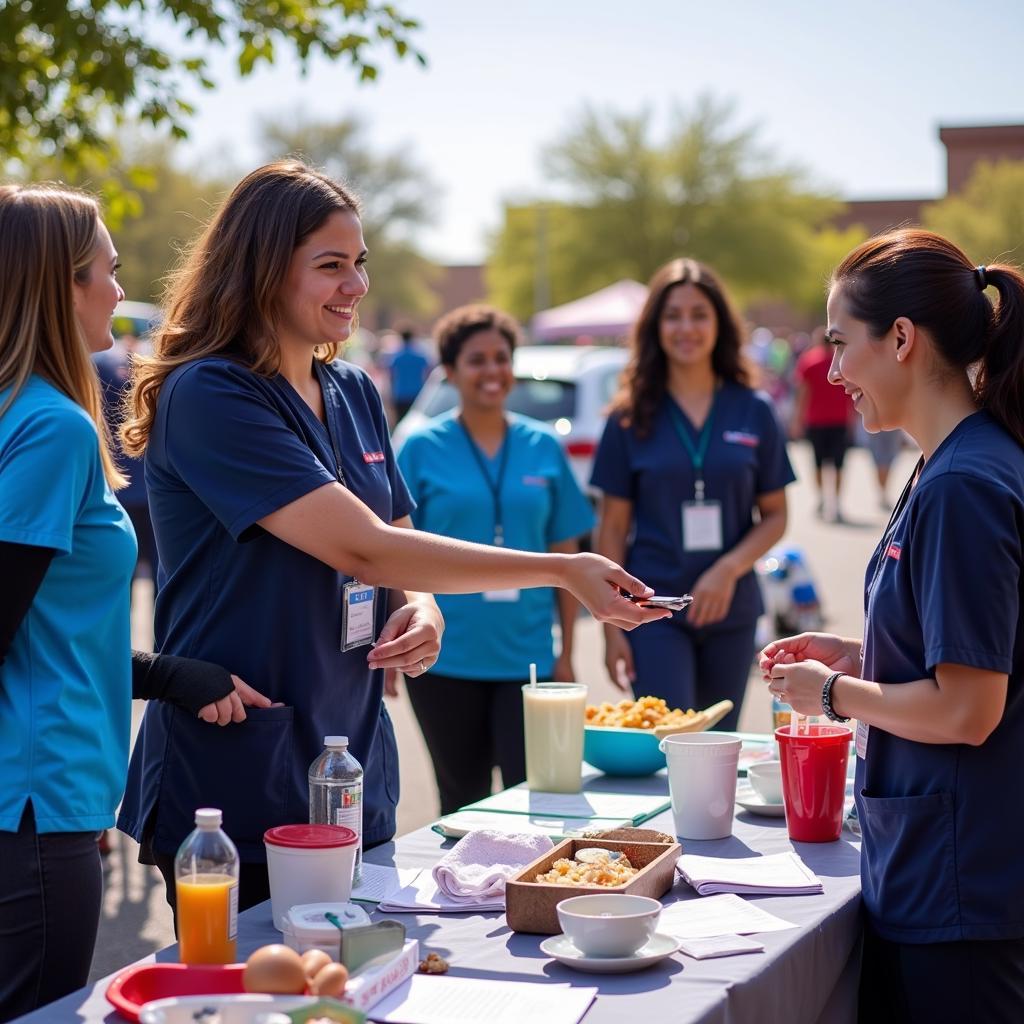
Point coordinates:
[[893, 551], [369, 457]]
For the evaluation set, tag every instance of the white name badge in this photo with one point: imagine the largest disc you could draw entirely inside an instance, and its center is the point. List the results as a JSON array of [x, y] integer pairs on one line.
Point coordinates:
[[702, 526], [861, 741], [357, 607], [509, 596]]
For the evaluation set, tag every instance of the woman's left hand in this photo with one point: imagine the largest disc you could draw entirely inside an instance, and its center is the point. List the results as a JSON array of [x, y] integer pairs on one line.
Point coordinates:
[[712, 596], [410, 640], [799, 685]]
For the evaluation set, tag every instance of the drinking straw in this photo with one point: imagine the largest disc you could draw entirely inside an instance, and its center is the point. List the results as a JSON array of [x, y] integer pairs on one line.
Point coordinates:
[[794, 723], [533, 675]]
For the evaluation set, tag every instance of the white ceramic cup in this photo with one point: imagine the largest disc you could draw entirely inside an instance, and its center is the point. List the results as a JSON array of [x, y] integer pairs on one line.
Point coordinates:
[[608, 924], [702, 782], [766, 781]]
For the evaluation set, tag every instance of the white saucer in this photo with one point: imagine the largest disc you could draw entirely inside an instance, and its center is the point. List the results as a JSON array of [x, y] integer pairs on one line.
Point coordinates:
[[750, 800], [657, 948]]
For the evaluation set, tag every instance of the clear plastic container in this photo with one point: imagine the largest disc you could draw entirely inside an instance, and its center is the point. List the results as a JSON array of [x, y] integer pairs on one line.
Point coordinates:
[[336, 791], [206, 887]]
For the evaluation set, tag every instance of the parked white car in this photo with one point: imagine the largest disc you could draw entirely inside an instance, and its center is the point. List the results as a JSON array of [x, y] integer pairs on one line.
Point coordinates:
[[566, 386]]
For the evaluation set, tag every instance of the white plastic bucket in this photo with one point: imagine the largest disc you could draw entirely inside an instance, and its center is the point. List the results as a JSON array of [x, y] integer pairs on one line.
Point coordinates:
[[702, 782], [308, 864]]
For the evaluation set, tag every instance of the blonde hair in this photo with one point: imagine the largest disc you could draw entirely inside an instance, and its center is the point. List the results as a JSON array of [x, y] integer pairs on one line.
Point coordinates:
[[223, 299], [48, 238]]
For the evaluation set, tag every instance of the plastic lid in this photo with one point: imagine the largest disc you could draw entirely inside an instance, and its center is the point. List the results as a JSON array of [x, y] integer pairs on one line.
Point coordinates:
[[335, 741], [310, 837], [209, 817]]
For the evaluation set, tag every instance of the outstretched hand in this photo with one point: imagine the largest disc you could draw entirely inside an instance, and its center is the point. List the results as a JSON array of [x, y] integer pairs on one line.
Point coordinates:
[[597, 583]]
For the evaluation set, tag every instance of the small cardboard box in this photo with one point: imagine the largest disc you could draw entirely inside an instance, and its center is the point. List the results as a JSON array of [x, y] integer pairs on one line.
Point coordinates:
[[530, 906]]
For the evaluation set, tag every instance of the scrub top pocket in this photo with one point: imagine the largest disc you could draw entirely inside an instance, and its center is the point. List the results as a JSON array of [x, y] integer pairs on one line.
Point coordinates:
[[908, 865], [244, 768]]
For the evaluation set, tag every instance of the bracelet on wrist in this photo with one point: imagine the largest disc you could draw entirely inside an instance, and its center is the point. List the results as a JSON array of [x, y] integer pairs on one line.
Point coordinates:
[[826, 699]]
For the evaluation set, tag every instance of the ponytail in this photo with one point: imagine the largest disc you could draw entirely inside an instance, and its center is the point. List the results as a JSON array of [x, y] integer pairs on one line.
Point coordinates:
[[1000, 381]]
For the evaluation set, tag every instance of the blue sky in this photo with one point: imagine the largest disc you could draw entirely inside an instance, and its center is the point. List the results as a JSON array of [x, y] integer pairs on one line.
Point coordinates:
[[852, 92]]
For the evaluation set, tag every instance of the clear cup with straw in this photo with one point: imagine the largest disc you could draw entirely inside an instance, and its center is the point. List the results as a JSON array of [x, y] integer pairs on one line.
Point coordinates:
[[553, 719]]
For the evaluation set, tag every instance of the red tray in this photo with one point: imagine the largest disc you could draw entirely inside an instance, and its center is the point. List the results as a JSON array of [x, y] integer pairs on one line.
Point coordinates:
[[140, 984]]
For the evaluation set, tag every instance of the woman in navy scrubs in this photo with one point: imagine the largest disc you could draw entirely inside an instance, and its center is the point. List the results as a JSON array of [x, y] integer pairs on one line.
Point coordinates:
[[283, 530], [692, 466], [938, 685], [486, 475]]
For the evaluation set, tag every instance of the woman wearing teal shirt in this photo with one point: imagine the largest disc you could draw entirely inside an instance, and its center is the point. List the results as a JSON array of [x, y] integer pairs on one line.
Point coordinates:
[[485, 475]]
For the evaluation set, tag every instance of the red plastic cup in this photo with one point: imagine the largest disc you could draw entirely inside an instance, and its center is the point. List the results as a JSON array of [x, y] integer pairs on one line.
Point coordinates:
[[814, 780]]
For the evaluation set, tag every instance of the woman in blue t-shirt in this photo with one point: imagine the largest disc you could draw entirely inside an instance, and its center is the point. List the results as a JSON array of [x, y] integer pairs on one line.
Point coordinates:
[[937, 685], [283, 526], [693, 468], [482, 474]]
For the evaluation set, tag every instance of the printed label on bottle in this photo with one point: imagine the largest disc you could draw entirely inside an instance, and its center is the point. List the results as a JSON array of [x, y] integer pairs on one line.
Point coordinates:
[[233, 912]]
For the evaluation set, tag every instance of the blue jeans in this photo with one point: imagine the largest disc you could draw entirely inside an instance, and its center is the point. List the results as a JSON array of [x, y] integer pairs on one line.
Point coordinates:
[[50, 900]]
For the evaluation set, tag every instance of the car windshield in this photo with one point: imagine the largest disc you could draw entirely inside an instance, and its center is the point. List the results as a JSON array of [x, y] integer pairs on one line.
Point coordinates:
[[541, 399]]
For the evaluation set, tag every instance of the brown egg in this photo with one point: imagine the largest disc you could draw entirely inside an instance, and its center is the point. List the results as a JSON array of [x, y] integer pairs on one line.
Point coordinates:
[[276, 970], [330, 980], [313, 960]]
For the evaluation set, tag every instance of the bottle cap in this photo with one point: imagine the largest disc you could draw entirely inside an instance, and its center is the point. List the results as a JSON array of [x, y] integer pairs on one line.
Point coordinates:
[[335, 741], [209, 817]]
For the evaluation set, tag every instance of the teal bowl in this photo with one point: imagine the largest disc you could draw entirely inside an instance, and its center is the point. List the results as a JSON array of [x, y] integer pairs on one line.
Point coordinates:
[[616, 751]]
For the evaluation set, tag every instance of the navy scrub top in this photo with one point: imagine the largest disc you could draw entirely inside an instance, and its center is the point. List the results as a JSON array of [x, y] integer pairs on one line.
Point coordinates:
[[227, 448], [943, 824], [746, 457]]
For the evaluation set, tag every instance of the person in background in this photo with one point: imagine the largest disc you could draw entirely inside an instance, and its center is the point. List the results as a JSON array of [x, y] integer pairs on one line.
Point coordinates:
[[822, 414], [283, 523], [883, 446], [408, 370], [692, 465], [937, 683], [483, 474], [67, 549]]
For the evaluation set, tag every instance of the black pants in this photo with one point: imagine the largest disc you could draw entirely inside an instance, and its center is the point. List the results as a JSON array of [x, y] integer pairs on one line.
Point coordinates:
[[470, 726], [979, 982], [50, 900]]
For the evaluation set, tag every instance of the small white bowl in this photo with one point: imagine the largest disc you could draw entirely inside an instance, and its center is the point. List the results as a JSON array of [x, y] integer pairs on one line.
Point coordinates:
[[766, 779], [608, 924]]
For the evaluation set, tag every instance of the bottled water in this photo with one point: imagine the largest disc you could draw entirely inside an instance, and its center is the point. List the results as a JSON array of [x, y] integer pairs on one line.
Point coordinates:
[[336, 791]]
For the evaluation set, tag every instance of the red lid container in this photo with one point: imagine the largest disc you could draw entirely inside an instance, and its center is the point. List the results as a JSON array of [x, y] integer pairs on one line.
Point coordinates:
[[310, 837], [135, 986]]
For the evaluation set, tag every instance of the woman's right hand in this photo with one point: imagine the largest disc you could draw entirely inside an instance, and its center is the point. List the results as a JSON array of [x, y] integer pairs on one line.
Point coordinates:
[[838, 653], [232, 707], [597, 583], [618, 659]]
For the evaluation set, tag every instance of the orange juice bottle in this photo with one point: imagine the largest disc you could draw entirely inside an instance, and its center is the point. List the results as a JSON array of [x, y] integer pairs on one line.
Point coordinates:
[[206, 886]]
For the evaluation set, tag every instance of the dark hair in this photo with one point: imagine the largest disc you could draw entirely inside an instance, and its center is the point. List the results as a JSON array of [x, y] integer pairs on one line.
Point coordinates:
[[454, 329], [646, 375], [223, 299], [924, 277]]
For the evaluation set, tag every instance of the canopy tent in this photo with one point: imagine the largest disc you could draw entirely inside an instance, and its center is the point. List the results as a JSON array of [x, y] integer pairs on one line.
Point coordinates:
[[608, 312]]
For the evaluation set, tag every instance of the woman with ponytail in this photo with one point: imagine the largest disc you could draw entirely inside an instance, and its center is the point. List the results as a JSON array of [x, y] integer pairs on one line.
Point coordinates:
[[937, 684]]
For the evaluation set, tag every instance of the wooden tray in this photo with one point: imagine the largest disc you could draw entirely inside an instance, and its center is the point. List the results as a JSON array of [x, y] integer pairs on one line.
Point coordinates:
[[530, 905]]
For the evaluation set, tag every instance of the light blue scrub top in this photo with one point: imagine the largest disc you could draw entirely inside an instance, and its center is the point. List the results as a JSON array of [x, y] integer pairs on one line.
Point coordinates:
[[541, 504], [65, 688]]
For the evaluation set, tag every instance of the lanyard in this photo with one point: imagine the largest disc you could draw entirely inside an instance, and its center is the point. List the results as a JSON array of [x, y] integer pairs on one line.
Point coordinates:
[[329, 406], [493, 485], [696, 454]]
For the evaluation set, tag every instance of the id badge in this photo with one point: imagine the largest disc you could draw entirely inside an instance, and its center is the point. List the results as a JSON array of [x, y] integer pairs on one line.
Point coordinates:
[[508, 596], [702, 526], [358, 601], [862, 739]]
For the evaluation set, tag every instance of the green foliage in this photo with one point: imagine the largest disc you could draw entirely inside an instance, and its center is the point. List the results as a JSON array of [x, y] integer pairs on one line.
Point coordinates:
[[72, 71], [986, 219], [397, 198], [707, 191]]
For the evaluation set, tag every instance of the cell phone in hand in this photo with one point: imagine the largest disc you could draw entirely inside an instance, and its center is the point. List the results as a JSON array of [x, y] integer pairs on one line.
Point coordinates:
[[673, 604]]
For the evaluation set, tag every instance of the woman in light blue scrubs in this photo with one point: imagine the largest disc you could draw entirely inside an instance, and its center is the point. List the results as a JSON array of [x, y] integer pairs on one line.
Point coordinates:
[[482, 474], [283, 526], [692, 465], [937, 685]]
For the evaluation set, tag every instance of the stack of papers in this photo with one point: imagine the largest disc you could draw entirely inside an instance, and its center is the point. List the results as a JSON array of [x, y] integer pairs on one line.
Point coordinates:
[[378, 881], [726, 914], [456, 825], [781, 874], [422, 896], [630, 808]]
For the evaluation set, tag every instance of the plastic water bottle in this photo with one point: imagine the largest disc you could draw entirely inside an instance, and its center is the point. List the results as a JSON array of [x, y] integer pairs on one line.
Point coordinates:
[[336, 791], [206, 887]]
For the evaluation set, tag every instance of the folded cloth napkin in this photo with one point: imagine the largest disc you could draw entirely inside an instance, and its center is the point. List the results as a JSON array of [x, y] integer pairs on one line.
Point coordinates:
[[476, 867]]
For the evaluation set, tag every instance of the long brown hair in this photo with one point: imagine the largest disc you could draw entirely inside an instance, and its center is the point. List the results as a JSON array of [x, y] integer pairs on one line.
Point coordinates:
[[48, 238], [646, 375], [223, 298], [927, 279]]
